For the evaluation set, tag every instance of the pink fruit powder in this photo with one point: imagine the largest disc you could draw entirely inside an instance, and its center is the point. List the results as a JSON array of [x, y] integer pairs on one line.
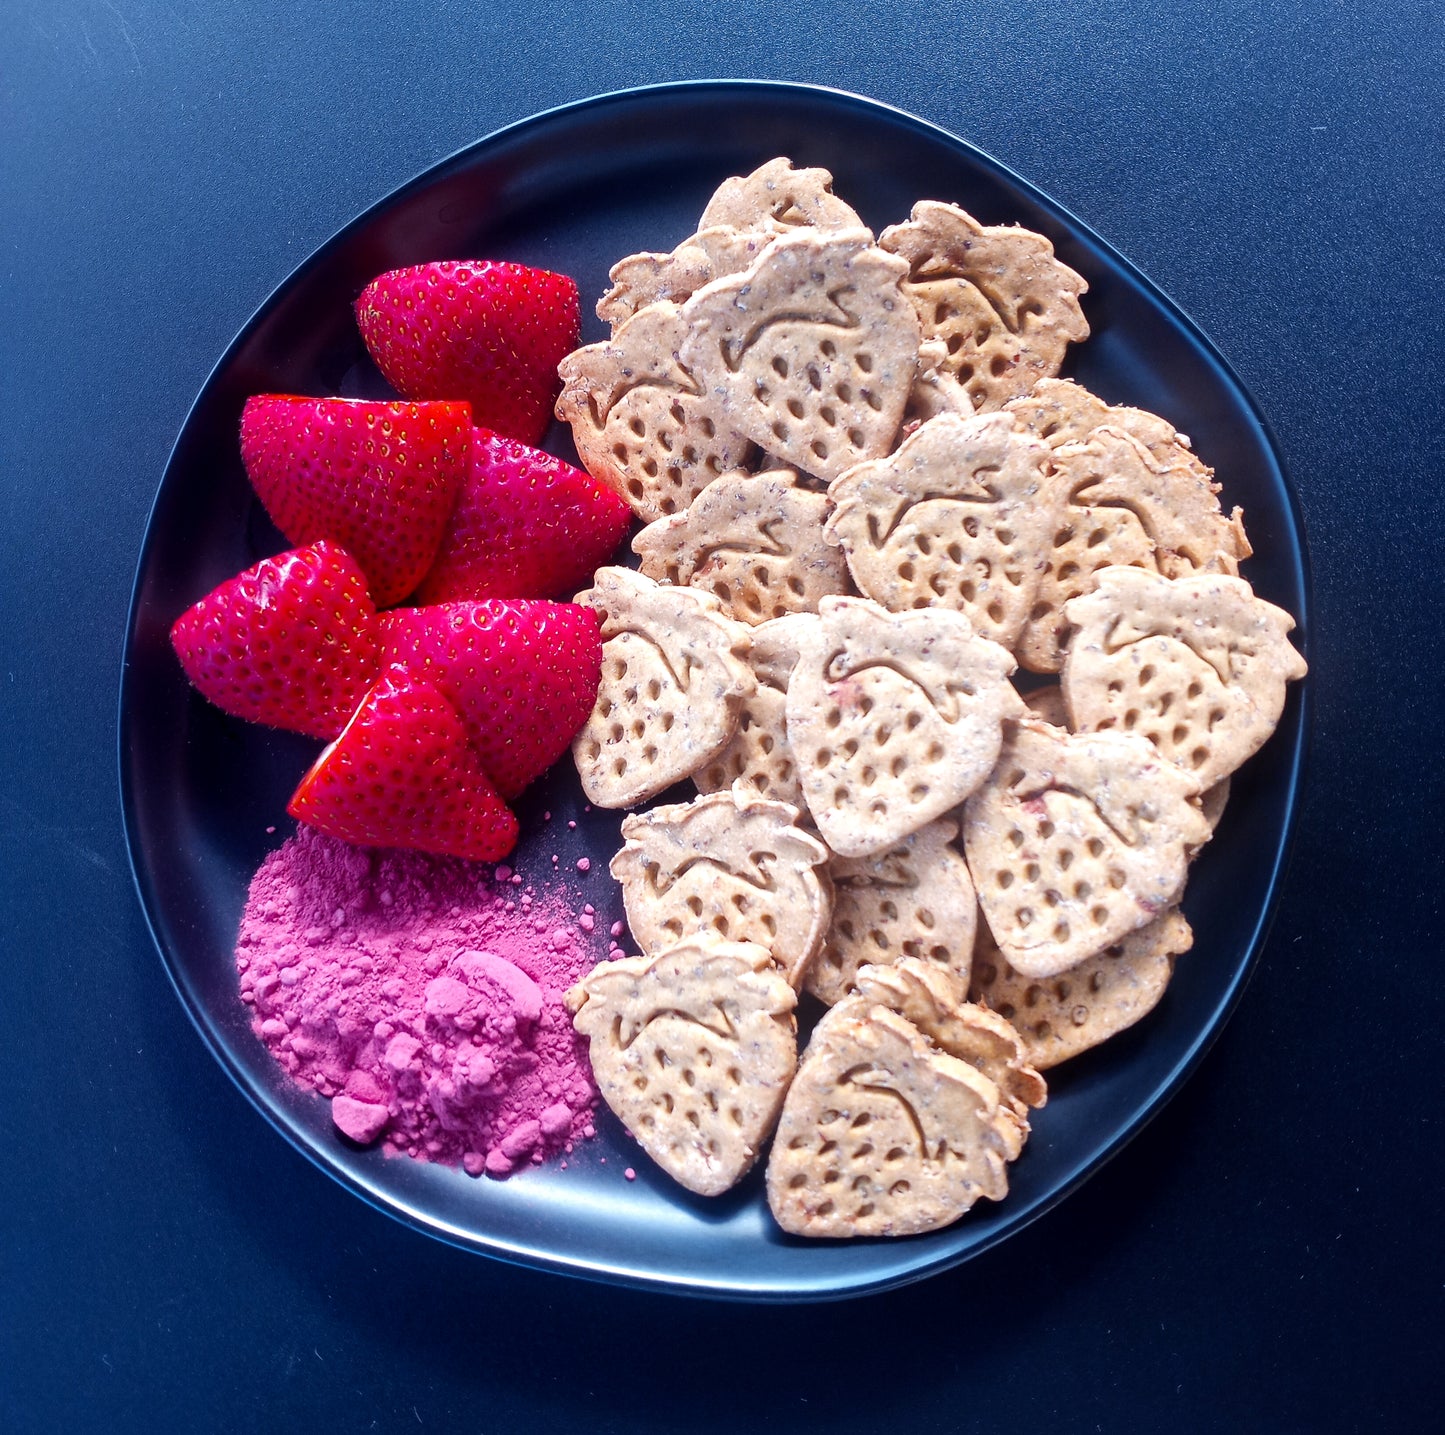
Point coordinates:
[[423, 995]]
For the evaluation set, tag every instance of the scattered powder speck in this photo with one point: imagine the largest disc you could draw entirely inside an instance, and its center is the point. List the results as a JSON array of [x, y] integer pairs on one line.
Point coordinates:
[[424, 1003]]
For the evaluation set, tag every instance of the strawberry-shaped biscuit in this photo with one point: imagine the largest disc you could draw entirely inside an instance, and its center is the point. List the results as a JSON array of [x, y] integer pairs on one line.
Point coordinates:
[[291, 642], [402, 774], [527, 525], [481, 330], [381, 479], [522, 674]]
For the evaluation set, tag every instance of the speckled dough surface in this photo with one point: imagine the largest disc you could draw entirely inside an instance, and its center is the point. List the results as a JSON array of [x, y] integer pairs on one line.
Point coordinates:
[[894, 718], [1076, 841], [811, 351], [693, 1050], [1059, 1017], [674, 677], [755, 542], [642, 422], [1197, 665], [957, 517], [731, 864], [1003, 307], [882, 1134], [913, 899]]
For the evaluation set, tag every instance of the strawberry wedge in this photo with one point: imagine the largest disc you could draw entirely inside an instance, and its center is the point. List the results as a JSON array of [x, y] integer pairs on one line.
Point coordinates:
[[523, 675], [402, 774], [292, 642], [527, 525], [488, 332], [381, 479]]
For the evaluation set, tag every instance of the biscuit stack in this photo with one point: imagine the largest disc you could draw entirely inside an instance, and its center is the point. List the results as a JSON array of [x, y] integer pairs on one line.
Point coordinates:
[[869, 502]]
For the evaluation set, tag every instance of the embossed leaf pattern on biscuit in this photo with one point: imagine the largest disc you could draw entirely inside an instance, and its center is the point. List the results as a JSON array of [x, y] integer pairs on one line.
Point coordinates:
[[1077, 840], [759, 755], [755, 543], [1197, 665], [893, 718], [811, 351], [693, 1050], [641, 422], [884, 1135], [935, 1001], [729, 864], [744, 215], [1121, 508], [1060, 412], [1004, 308], [958, 518], [1059, 1017], [674, 677], [914, 899], [777, 197]]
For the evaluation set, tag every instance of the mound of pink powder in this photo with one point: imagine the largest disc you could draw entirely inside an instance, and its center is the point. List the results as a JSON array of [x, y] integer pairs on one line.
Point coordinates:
[[423, 995]]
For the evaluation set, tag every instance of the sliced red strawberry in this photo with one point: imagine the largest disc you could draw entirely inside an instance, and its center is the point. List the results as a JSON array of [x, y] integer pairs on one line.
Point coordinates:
[[381, 479], [527, 525], [402, 774], [488, 332], [523, 675], [291, 642]]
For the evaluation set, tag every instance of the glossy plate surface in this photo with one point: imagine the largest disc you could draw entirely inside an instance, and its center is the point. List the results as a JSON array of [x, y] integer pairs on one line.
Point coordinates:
[[574, 190]]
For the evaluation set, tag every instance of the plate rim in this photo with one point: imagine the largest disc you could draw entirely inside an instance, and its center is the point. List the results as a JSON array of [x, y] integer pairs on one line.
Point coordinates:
[[618, 1273]]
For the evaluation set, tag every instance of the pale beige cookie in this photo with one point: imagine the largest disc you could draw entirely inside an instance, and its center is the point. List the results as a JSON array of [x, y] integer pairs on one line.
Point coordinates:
[[1003, 306], [811, 351], [1047, 704], [1058, 1017], [744, 215], [756, 543], [1060, 412], [777, 197], [1120, 506], [936, 1002], [914, 899], [693, 1049], [674, 677], [894, 718], [1197, 665], [640, 280], [759, 755], [730, 864], [641, 422], [1075, 841], [935, 391], [958, 517], [882, 1134]]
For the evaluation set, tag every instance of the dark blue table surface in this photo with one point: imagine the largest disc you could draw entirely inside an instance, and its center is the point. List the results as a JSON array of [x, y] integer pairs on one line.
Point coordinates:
[[1267, 1253]]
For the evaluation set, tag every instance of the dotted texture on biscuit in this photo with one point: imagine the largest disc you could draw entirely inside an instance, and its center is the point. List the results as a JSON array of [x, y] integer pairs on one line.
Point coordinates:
[[1003, 307], [759, 755], [884, 1135], [674, 676], [1075, 841], [755, 542], [1198, 665], [810, 352], [958, 517], [693, 1050], [893, 718], [1061, 1016], [642, 423], [914, 899], [1118, 506], [731, 865]]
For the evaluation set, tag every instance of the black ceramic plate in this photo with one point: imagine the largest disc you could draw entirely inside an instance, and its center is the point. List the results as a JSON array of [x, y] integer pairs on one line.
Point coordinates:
[[574, 190]]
